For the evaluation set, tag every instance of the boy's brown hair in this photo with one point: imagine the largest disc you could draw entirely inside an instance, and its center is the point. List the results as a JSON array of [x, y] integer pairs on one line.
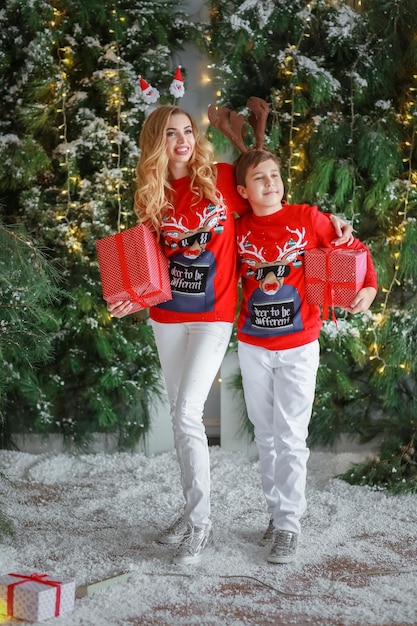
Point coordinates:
[[252, 158]]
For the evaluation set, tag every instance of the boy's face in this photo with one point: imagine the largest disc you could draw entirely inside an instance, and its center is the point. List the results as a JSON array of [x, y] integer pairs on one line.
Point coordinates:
[[264, 188]]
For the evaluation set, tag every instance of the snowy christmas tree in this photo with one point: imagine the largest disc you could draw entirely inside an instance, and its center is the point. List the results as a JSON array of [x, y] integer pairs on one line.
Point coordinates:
[[28, 288], [28, 292], [341, 78], [71, 108]]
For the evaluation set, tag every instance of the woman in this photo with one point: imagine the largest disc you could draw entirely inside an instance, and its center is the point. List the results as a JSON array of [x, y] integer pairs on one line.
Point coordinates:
[[190, 203]]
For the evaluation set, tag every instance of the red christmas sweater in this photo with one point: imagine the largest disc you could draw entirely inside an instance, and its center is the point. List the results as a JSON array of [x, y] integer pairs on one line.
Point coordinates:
[[199, 241], [274, 313]]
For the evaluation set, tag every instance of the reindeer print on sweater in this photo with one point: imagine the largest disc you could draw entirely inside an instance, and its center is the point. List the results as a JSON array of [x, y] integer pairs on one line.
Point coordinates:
[[274, 304], [198, 238], [274, 312], [192, 264]]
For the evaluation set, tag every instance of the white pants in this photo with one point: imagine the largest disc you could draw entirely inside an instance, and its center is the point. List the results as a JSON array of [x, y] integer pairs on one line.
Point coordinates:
[[279, 388], [190, 356]]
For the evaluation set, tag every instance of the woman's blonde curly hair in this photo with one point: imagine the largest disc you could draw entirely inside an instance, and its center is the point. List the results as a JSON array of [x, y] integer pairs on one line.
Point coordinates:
[[154, 195]]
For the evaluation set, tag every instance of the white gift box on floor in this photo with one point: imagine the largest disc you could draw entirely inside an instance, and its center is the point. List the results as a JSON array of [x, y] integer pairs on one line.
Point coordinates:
[[36, 597]]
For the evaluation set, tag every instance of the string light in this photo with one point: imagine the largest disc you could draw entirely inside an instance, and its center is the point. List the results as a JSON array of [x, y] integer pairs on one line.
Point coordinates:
[[116, 103], [397, 237], [65, 61], [295, 155]]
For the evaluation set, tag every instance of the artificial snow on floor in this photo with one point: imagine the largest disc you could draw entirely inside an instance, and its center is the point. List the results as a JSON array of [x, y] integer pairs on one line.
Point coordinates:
[[89, 517]]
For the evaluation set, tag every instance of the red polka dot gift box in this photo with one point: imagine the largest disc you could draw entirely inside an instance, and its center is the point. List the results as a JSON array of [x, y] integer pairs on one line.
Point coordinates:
[[133, 267], [333, 276], [35, 597]]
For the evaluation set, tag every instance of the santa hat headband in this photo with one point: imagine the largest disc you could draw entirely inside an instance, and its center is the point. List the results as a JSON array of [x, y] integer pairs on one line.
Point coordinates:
[[151, 95]]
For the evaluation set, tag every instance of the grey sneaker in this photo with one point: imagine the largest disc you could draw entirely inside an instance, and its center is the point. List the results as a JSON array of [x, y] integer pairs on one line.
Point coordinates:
[[284, 547], [191, 549], [175, 533], [267, 536]]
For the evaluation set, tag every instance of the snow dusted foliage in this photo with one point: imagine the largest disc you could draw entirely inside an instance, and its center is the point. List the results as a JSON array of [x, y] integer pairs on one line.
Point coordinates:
[[343, 24], [263, 10], [71, 112], [321, 81]]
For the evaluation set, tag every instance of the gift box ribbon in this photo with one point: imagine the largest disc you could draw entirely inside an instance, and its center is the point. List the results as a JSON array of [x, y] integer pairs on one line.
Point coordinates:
[[39, 578], [127, 285]]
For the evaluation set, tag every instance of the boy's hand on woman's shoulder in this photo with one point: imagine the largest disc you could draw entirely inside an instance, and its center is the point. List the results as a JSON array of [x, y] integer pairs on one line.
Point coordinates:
[[344, 231]]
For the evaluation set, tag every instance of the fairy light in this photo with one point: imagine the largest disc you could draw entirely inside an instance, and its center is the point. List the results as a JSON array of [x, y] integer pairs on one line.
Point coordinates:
[[65, 59], [66, 63], [205, 79], [295, 154], [396, 239], [398, 236], [116, 103]]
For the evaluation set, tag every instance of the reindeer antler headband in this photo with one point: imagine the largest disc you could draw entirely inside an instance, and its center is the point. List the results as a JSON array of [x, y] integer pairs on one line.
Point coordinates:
[[231, 124]]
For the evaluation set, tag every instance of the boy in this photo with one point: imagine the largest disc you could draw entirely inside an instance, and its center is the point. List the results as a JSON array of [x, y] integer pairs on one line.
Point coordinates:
[[278, 336]]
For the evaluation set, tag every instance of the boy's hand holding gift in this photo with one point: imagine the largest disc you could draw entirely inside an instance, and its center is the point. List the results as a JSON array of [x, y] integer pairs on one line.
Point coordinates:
[[362, 301]]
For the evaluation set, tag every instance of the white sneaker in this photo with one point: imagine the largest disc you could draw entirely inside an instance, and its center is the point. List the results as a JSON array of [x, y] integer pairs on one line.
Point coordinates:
[[191, 549], [284, 547], [175, 533]]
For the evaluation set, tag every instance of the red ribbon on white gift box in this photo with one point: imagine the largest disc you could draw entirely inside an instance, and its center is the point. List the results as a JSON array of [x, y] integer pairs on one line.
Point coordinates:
[[39, 578]]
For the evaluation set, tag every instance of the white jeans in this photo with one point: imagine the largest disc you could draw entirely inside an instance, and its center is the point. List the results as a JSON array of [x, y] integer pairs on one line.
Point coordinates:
[[279, 388], [190, 356]]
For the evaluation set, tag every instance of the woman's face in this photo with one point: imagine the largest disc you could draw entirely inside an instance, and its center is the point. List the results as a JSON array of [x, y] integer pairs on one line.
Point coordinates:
[[180, 141]]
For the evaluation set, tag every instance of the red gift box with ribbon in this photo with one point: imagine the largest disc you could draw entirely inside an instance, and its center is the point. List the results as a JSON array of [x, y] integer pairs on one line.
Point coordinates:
[[133, 267], [35, 597], [333, 276]]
